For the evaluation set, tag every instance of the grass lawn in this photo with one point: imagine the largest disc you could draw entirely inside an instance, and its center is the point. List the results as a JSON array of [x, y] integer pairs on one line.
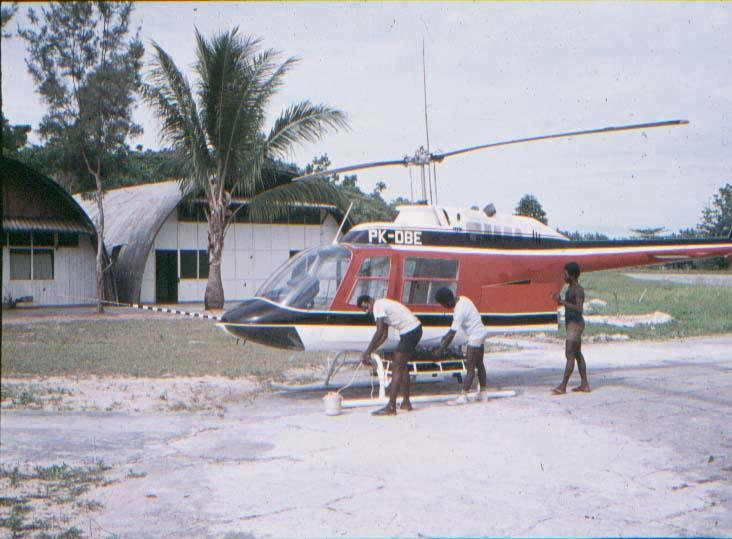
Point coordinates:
[[138, 347], [157, 347], [697, 310]]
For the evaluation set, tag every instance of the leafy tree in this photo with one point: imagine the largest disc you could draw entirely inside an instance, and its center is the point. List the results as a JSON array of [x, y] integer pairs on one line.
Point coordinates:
[[366, 206], [685, 233], [7, 13], [717, 216], [86, 67], [221, 135], [530, 207], [648, 233], [14, 137], [584, 236], [150, 166]]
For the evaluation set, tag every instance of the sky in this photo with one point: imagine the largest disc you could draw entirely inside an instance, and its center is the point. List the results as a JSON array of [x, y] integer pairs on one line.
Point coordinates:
[[494, 71]]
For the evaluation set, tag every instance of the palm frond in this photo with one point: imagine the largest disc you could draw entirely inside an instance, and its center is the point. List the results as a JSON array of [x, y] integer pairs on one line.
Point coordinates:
[[276, 202], [303, 122], [247, 113], [169, 94]]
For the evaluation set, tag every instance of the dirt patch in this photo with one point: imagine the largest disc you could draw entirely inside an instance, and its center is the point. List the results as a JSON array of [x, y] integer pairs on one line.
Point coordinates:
[[630, 320], [140, 395], [50, 500]]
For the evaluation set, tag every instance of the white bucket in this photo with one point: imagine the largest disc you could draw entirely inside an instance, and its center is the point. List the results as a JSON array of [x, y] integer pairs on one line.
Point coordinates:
[[332, 403]]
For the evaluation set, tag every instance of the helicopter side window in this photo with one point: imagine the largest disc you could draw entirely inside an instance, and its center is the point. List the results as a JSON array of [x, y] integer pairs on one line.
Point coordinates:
[[373, 278], [423, 277]]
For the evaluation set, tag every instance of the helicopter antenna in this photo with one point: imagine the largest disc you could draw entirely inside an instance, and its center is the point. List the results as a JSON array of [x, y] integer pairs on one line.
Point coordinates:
[[345, 217], [426, 127], [411, 187], [434, 175]]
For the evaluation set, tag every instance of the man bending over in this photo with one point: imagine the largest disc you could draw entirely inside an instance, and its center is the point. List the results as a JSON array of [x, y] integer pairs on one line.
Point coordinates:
[[467, 318], [389, 313]]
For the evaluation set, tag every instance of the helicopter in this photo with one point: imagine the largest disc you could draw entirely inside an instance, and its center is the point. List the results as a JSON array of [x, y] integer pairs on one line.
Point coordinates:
[[508, 265]]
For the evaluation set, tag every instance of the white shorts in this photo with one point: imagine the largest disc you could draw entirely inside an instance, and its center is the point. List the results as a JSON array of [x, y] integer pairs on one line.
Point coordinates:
[[477, 340]]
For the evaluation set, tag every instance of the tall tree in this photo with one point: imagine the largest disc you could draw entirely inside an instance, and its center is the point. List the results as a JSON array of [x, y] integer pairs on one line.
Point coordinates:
[[717, 216], [86, 67], [530, 207], [221, 134]]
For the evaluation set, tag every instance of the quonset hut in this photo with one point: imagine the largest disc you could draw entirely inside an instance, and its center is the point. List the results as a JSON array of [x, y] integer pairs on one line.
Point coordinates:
[[49, 242], [158, 242]]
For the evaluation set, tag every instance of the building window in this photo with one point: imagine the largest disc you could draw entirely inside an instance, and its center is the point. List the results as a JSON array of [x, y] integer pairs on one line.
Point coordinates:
[[293, 216], [20, 264], [43, 264], [423, 277], [67, 239], [191, 212], [193, 265], [20, 239], [373, 278], [31, 255], [203, 264]]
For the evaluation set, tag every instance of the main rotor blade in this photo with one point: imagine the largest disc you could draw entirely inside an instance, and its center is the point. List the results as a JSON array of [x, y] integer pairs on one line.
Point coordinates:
[[332, 171], [440, 156]]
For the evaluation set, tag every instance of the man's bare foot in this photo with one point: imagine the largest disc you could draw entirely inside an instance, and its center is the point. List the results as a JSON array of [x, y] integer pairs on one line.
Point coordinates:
[[559, 391], [386, 410], [582, 389], [406, 406]]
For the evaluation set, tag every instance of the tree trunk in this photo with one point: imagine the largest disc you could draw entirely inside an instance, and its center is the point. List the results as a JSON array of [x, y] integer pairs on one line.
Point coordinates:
[[214, 297], [100, 245]]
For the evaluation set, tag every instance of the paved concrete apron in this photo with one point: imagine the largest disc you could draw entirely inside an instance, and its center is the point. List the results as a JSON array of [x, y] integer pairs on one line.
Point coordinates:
[[648, 452]]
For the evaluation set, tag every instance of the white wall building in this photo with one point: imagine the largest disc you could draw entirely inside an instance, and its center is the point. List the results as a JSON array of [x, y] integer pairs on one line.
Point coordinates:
[[48, 242], [158, 243]]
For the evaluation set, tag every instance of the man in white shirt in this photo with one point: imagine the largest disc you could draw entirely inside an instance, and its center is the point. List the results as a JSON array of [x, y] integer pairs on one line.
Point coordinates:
[[467, 318], [389, 313]]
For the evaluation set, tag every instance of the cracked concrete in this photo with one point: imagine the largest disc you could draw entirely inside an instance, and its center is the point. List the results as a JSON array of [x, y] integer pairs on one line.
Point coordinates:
[[648, 452]]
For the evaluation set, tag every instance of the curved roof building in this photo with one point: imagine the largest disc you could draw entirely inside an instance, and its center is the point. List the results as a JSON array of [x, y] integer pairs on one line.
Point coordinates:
[[158, 242], [49, 242]]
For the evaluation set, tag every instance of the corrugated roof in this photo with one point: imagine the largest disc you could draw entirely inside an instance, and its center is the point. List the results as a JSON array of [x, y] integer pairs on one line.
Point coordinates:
[[132, 218], [46, 225], [133, 211]]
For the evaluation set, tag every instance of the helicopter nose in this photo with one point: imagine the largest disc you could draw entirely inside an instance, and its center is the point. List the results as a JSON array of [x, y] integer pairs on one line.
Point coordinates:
[[262, 322]]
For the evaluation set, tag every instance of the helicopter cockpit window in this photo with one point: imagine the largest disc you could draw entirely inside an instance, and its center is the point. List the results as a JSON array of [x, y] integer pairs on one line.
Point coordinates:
[[423, 277], [373, 278], [310, 279]]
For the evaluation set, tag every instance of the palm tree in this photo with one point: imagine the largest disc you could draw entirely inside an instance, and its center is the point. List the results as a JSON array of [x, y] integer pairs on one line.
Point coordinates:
[[221, 139]]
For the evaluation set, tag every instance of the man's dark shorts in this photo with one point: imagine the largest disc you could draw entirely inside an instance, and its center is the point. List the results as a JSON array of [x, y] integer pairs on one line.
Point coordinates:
[[408, 342]]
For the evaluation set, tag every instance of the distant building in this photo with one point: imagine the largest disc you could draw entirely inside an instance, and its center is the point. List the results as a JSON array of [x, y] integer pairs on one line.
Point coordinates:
[[49, 242], [158, 243]]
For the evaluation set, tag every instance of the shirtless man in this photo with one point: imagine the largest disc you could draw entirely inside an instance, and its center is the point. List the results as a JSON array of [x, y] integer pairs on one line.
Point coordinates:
[[388, 312], [573, 303], [467, 317]]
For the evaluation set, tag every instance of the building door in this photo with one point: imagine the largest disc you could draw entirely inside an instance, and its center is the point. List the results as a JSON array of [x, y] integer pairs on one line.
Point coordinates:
[[166, 276]]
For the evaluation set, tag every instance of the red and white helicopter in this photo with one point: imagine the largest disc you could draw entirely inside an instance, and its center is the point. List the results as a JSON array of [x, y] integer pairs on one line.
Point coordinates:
[[508, 265]]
